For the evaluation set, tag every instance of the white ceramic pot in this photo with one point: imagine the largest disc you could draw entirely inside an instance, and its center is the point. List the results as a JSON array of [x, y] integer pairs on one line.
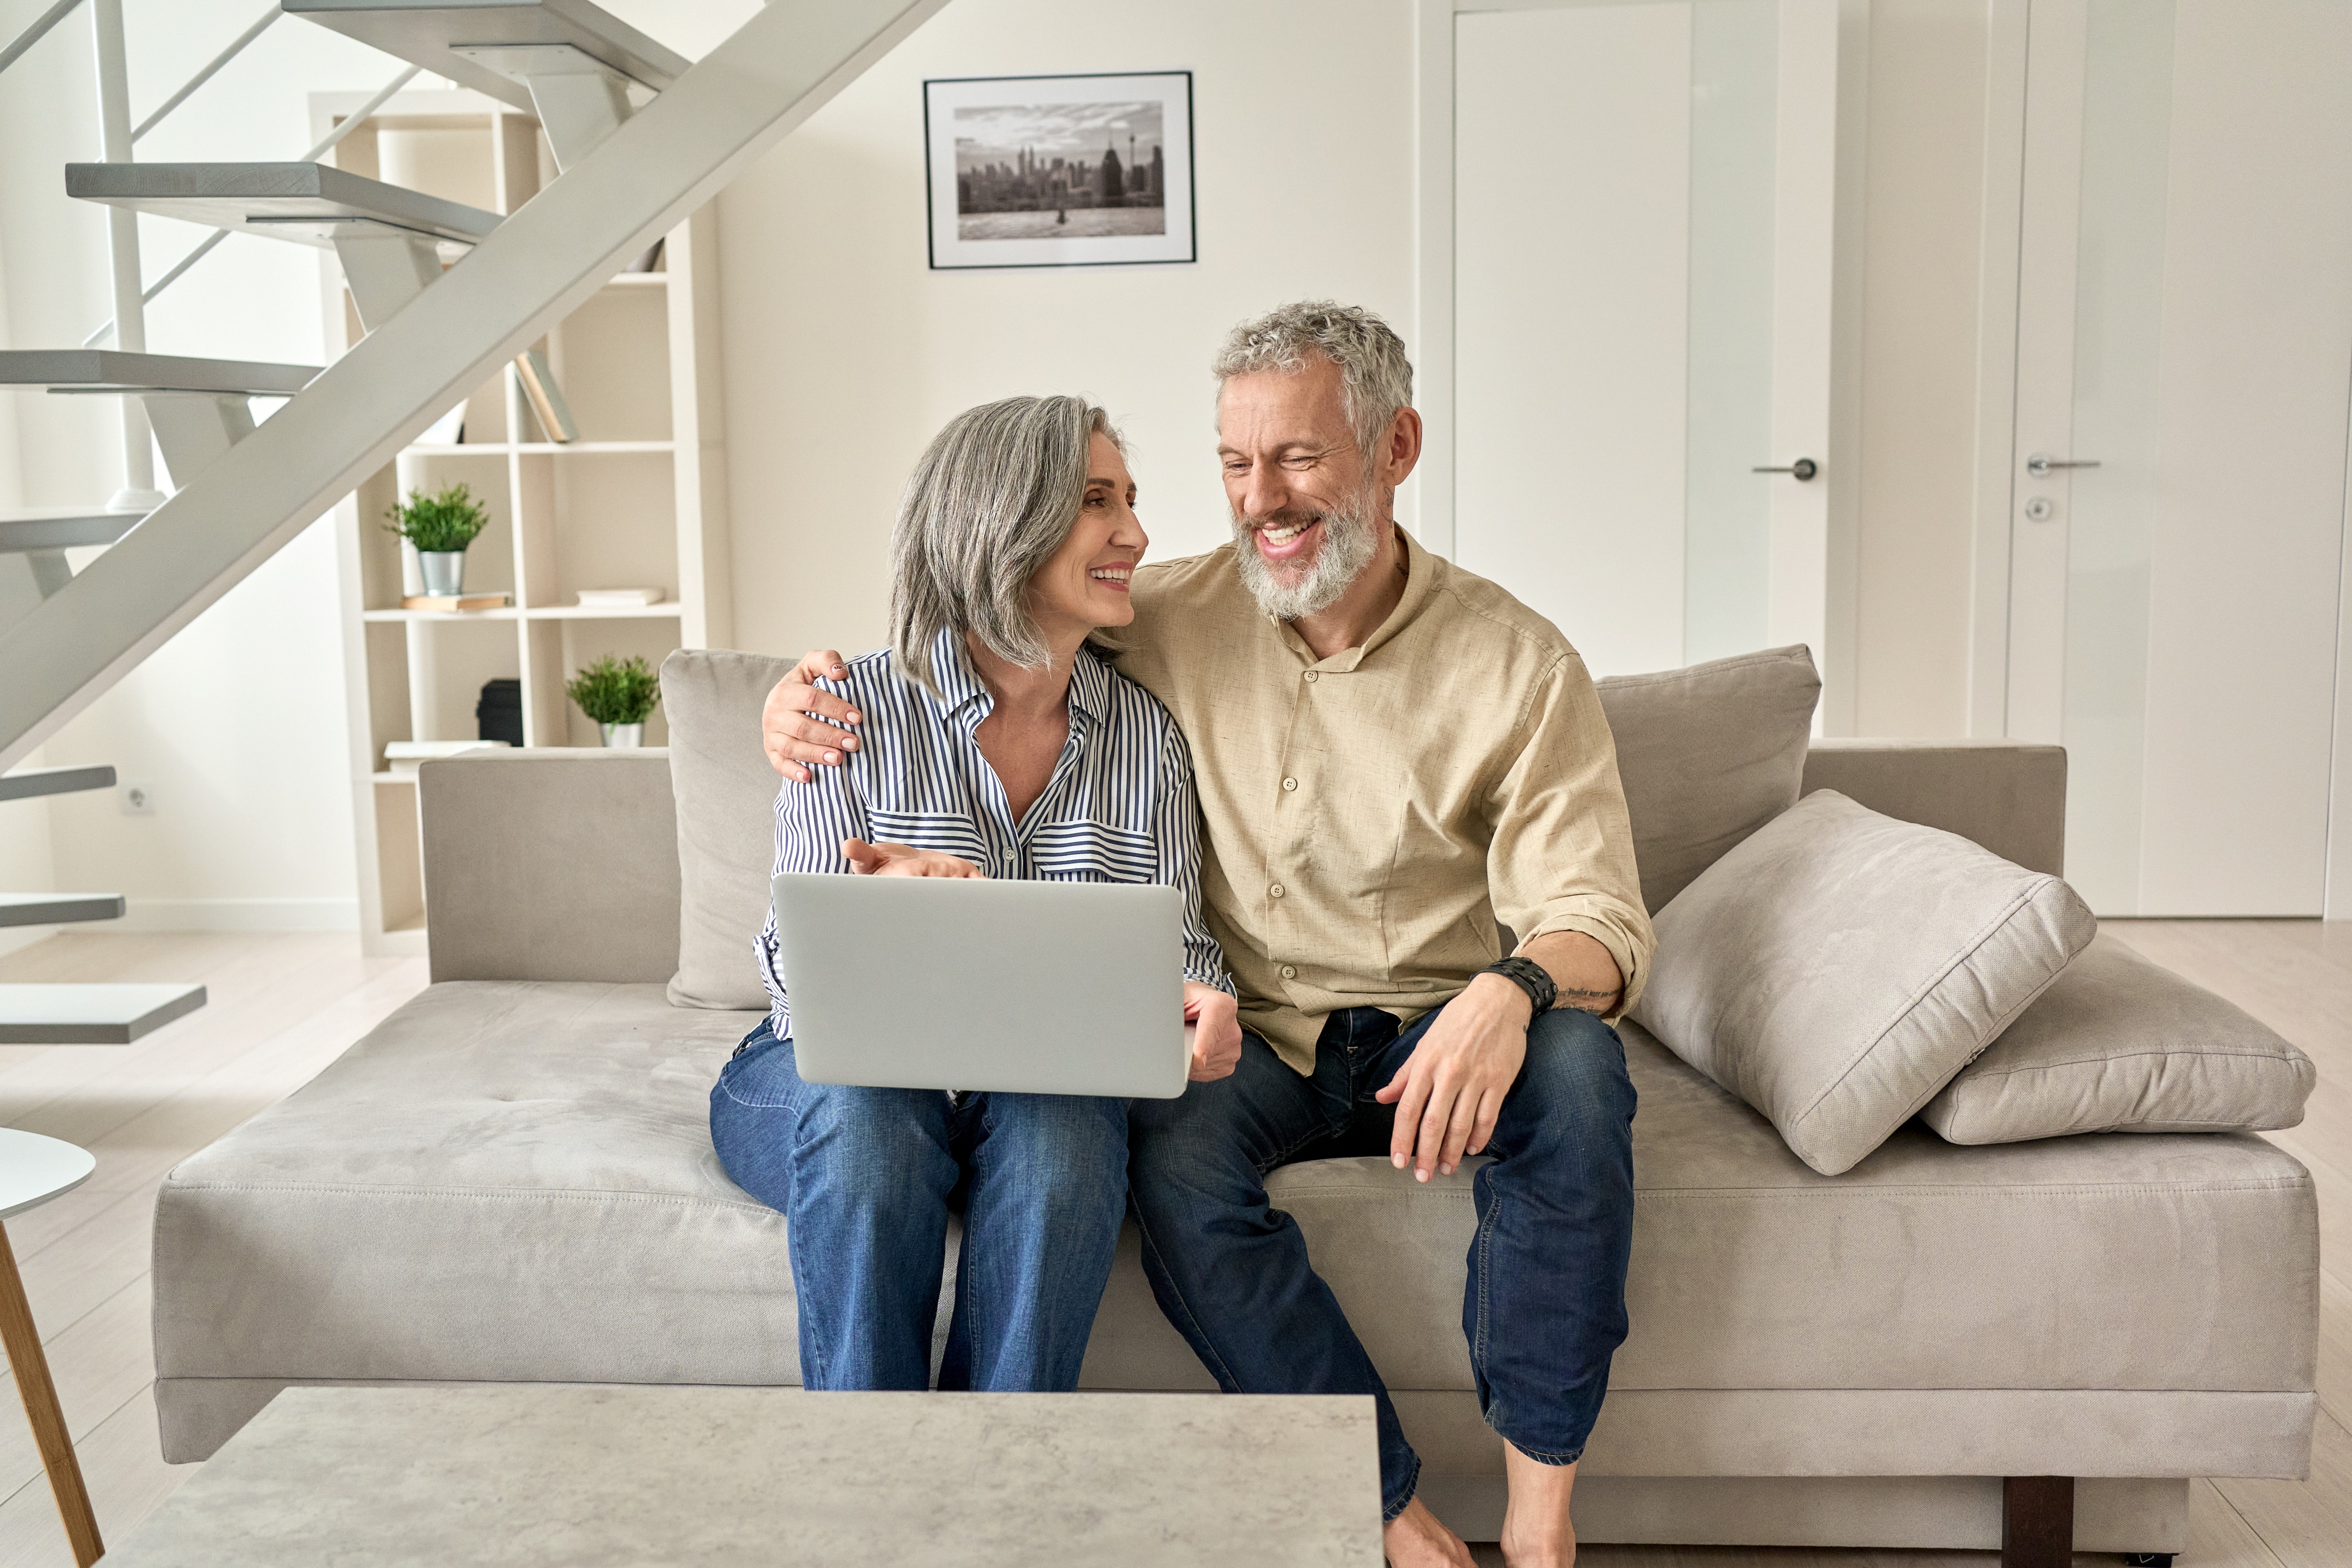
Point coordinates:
[[625, 735], [444, 569]]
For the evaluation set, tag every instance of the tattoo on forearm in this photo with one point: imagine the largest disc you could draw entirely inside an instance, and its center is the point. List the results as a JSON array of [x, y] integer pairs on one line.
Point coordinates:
[[1585, 1001]]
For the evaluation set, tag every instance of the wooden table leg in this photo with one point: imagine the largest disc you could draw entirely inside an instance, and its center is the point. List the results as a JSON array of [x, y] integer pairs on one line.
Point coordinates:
[[23, 1343], [2037, 1521]]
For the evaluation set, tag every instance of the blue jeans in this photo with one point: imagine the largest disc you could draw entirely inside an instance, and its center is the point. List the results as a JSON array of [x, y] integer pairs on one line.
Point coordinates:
[[1545, 1308], [865, 1179]]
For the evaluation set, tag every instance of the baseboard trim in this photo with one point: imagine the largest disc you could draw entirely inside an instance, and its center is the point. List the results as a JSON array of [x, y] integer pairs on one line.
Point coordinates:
[[234, 914]]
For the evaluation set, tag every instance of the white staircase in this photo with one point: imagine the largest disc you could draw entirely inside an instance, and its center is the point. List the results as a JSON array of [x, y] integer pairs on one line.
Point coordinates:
[[580, 70], [641, 136], [390, 240], [77, 1015]]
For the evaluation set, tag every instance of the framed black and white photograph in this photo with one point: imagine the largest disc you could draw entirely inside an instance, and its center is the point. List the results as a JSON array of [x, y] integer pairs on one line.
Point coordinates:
[[1060, 171]]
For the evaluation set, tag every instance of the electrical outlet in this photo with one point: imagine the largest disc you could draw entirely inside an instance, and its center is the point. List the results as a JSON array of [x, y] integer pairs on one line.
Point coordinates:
[[135, 799]]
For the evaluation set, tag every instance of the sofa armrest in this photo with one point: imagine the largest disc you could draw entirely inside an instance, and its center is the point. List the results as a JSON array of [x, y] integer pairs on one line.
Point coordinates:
[[550, 864], [2007, 795]]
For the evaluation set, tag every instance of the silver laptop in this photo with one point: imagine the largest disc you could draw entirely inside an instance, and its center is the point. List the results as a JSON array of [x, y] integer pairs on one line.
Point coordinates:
[[1033, 987]]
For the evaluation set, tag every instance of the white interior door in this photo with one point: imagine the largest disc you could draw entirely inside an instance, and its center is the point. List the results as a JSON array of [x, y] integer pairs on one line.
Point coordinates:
[[2184, 324], [1645, 238]]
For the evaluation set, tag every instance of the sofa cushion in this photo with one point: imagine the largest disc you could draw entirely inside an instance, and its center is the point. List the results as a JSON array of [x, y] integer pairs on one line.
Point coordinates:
[[1838, 967], [726, 821], [1707, 755], [2121, 1045], [514, 1181]]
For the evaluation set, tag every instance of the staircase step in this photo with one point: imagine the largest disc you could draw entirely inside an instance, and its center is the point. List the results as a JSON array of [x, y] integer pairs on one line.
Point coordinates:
[[429, 32], [311, 201], [61, 527], [91, 1014], [26, 782], [58, 908], [109, 369]]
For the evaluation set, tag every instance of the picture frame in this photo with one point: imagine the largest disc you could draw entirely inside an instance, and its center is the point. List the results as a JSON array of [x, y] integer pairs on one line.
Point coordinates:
[[1014, 176]]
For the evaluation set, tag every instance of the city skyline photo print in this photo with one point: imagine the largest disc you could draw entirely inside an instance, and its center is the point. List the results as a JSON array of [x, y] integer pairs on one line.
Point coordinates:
[[1061, 171]]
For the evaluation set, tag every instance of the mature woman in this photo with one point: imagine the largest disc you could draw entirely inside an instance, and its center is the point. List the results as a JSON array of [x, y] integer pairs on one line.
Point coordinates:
[[996, 743]]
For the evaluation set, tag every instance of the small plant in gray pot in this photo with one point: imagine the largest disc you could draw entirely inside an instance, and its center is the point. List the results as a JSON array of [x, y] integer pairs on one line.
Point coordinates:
[[440, 526], [617, 693]]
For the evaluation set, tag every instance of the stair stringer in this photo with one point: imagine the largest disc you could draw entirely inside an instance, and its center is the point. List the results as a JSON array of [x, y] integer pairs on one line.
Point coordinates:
[[784, 64]]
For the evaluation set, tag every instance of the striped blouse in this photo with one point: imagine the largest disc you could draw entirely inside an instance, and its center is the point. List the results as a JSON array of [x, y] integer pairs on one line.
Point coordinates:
[[1119, 806]]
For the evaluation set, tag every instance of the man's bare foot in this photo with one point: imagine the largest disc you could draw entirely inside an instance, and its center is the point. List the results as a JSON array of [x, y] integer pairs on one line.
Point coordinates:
[[1414, 1539], [1537, 1533]]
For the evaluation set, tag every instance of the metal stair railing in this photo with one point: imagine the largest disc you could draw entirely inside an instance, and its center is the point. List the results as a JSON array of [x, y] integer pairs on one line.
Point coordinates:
[[542, 263]]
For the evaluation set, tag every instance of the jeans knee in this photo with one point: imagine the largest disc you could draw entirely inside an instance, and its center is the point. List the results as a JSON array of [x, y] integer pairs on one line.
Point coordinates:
[[1575, 1083], [1068, 1142], [1188, 1166]]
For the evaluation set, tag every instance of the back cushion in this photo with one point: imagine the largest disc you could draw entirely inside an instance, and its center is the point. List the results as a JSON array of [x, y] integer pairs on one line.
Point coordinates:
[[726, 820], [1708, 754]]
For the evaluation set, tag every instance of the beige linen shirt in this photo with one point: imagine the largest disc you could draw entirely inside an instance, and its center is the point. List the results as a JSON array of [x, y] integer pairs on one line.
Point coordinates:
[[1373, 816]]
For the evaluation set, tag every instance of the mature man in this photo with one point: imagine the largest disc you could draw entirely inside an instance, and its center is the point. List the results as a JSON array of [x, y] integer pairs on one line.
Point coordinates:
[[1392, 756]]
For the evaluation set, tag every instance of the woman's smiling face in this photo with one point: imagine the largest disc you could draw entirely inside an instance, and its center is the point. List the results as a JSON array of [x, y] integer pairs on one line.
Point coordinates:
[[1084, 585]]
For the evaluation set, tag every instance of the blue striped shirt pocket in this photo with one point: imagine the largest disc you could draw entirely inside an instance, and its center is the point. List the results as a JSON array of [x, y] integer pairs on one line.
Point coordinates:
[[950, 833], [1093, 852]]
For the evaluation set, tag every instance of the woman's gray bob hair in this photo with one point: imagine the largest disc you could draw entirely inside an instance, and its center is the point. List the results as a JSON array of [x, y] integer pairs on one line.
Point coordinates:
[[994, 494]]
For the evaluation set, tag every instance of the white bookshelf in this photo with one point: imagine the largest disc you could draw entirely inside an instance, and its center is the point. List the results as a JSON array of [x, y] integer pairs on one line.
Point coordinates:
[[637, 501]]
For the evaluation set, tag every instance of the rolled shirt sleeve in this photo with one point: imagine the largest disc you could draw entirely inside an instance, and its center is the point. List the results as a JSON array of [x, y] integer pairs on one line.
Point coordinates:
[[1561, 858]]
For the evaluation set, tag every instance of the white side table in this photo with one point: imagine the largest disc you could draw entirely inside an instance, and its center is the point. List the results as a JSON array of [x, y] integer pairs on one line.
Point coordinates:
[[33, 1170]]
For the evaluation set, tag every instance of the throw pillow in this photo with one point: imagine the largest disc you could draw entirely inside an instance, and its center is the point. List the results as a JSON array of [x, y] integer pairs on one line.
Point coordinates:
[[1838, 967], [726, 821], [2122, 1045], [1707, 755]]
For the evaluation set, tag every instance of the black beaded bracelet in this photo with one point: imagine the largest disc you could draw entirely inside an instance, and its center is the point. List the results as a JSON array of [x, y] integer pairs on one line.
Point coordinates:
[[1530, 977]]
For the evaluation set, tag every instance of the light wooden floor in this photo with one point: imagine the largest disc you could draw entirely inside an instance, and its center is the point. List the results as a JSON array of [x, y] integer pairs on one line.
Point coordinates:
[[284, 1006]]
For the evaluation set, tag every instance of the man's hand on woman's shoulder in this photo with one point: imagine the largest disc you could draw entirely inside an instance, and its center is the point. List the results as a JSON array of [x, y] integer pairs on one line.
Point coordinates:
[[802, 726], [905, 860]]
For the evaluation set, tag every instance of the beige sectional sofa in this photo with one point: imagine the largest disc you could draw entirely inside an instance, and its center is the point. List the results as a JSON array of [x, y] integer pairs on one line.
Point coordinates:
[[512, 1179]]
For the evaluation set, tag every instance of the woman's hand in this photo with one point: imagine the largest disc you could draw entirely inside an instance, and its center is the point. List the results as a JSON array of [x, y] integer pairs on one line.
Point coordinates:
[[905, 860], [794, 741], [1216, 1032]]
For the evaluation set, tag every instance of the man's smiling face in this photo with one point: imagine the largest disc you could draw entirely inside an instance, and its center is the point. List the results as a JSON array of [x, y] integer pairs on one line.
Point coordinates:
[[1304, 504]]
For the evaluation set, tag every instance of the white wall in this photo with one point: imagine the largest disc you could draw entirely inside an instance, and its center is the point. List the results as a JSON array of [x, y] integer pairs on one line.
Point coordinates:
[[845, 353], [237, 723]]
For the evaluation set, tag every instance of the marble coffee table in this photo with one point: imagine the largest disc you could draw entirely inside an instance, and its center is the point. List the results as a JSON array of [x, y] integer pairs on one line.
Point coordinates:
[[545, 1473]]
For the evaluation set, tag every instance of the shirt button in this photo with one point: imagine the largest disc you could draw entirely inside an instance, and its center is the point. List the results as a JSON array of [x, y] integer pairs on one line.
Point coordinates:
[[1289, 973], [1276, 889], [1290, 784], [1310, 678]]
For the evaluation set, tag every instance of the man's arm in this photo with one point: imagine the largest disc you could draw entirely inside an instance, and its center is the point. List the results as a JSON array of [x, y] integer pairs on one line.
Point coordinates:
[[1560, 866], [1587, 976]]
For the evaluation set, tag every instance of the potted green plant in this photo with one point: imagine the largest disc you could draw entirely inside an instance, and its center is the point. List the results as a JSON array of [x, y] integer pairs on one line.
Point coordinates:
[[617, 693], [440, 526]]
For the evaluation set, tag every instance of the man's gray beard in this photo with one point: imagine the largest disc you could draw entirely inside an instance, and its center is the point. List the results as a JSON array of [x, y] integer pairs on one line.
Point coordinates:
[[1350, 539]]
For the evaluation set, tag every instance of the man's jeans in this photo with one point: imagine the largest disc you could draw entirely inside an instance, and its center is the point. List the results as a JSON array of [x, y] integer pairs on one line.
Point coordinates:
[[865, 1178], [1544, 1309]]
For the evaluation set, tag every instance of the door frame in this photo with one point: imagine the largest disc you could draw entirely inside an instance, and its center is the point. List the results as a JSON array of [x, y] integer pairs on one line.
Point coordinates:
[[1999, 275], [1815, 554]]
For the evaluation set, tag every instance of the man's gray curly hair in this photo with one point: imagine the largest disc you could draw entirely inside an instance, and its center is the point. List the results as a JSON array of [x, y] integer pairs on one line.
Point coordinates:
[[1375, 378]]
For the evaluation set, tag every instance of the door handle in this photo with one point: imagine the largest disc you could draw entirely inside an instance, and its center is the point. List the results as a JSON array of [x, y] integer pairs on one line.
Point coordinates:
[[1803, 469], [2041, 464]]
